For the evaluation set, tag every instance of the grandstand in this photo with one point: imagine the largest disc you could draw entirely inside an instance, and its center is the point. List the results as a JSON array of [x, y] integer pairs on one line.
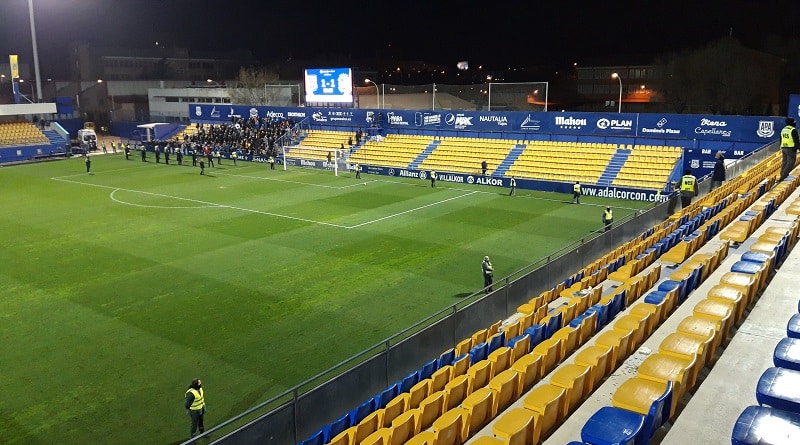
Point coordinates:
[[639, 345], [21, 133], [646, 166]]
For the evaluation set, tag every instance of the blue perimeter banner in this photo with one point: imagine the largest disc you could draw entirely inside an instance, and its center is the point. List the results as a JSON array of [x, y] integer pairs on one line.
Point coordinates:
[[757, 129]]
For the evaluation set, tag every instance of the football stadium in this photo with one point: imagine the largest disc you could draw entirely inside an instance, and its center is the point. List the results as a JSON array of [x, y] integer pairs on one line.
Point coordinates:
[[347, 275]]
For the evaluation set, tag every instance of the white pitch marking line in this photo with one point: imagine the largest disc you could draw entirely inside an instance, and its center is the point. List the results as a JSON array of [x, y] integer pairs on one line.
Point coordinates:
[[412, 210], [209, 204]]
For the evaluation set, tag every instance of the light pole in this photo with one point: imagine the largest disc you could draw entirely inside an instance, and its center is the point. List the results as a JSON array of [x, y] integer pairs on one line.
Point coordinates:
[[377, 92], [616, 76], [35, 53]]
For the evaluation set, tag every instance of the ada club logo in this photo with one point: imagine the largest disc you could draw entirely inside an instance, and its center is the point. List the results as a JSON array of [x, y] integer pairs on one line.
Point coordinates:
[[391, 172], [766, 129], [198, 110]]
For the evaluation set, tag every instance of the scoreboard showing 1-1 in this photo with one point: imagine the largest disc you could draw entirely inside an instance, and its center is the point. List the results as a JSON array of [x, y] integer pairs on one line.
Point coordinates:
[[329, 85]]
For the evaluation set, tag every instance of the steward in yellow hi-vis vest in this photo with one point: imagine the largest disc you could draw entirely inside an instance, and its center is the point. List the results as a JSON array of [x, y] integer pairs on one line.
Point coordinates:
[[688, 188], [576, 193], [488, 274], [608, 218], [789, 145], [195, 405]]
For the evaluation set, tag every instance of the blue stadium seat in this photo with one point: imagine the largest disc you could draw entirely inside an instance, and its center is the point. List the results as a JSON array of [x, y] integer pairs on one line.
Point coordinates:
[[612, 426], [787, 354], [428, 369], [446, 358], [408, 381], [793, 326], [363, 410], [602, 314], [337, 426], [317, 438], [668, 285], [514, 340], [553, 324], [779, 388], [537, 333], [757, 426], [388, 394], [496, 341], [478, 353]]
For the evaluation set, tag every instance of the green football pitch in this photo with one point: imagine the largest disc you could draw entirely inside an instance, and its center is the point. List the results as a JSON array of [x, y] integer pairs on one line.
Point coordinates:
[[122, 285]]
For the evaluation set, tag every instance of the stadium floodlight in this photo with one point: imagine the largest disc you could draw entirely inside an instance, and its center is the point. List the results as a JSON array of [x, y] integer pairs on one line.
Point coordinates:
[[377, 93], [617, 76]]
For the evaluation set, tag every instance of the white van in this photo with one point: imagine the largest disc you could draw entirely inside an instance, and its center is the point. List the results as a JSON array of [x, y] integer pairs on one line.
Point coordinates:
[[87, 139]]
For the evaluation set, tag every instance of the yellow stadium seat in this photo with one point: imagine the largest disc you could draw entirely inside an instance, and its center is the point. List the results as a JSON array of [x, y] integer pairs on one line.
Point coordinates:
[[515, 427], [529, 367], [716, 310], [521, 347], [461, 365], [480, 408], [423, 438], [379, 437], [449, 428], [431, 408], [686, 346], [479, 336], [733, 294], [481, 372], [501, 359], [486, 440], [550, 402], [663, 368], [575, 379], [703, 327], [570, 337], [597, 358], [441, 377], [368, 425], [418, 393], [505, 386], [395, 407], [457, 389], [551, 352], [463, 347], [634, 325], [405, 426], [620, 344]]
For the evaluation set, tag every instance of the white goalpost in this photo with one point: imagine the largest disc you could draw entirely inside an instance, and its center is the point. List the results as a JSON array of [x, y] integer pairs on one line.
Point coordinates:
[[311, 157]]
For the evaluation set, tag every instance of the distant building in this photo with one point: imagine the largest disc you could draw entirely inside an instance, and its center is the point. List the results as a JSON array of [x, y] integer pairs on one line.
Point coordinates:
[[112, 63]]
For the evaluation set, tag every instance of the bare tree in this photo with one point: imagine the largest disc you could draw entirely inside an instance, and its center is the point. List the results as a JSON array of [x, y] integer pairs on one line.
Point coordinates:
[[251, 87]]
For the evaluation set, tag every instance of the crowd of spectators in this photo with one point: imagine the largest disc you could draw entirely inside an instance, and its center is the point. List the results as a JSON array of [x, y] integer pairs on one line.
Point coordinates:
[[246, 136]]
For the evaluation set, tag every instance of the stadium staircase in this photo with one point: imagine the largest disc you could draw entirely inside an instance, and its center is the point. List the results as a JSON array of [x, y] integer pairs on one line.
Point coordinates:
[[425, 153], [55, 138], [614, 166], [510, 159]]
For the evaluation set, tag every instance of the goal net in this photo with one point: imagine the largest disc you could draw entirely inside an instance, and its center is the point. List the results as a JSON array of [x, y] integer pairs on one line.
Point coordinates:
[[319, 158]]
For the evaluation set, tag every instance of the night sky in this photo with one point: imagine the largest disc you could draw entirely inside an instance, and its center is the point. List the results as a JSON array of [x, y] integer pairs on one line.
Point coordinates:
[[500, 33]]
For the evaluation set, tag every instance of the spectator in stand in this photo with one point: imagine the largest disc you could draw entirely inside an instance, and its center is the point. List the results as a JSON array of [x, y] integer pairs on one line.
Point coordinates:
[[484, 166], [718, 176]]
